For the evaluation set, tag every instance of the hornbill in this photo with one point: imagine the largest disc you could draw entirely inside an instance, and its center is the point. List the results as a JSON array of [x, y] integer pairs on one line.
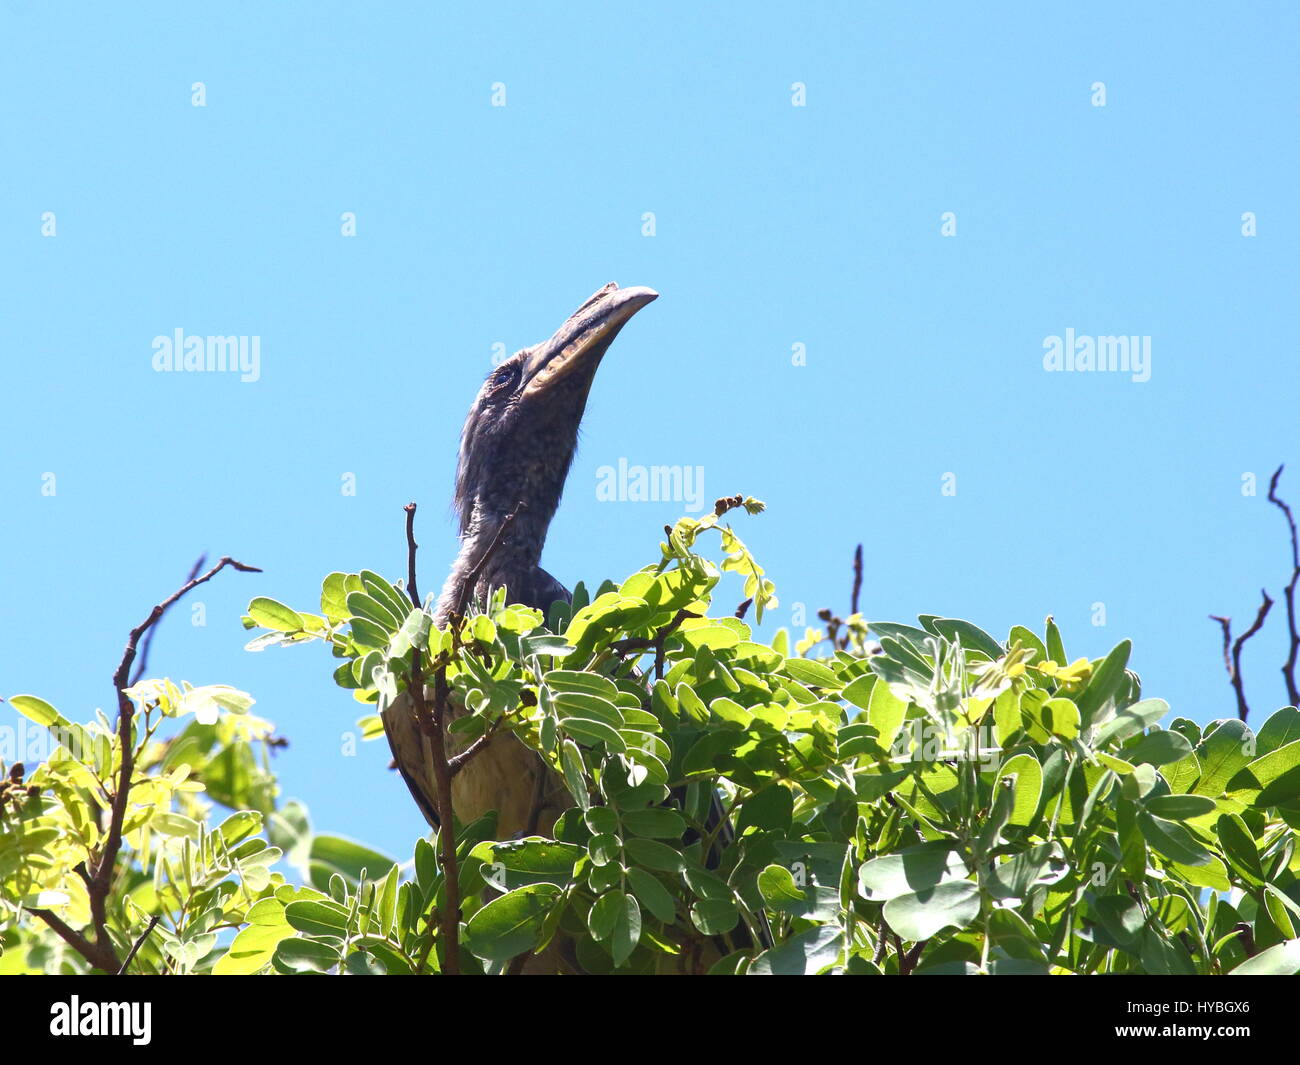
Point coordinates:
[[516, 448]]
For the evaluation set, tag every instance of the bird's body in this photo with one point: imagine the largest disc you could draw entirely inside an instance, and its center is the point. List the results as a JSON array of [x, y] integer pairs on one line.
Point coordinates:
[[515, 452]]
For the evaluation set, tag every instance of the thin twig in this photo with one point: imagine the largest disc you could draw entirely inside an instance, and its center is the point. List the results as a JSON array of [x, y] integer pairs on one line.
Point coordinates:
[[1293, 650], [143, 663], [857, 581], [623, 648], [1232, 659], [153, 923], [411, 548], [468, 583], [101, 879]]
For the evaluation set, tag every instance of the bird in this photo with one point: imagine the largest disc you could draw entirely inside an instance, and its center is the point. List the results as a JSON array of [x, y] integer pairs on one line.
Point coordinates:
[[516, 449]]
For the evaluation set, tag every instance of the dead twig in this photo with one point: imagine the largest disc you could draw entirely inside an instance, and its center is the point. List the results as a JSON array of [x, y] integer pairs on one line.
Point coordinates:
[[135, 948], [143, 663], [411, 548], [1232, 650], [857, 580], [1288, 594], [101, 875]]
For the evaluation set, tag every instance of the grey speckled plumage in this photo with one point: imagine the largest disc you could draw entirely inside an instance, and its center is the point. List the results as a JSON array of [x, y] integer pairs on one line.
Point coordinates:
[[517, 446]]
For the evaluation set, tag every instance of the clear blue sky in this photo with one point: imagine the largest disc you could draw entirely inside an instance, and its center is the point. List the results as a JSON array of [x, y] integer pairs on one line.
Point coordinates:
[[775, 225]]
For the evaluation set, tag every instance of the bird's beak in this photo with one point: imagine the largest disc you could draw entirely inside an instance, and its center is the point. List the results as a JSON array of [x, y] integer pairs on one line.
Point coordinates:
[[580, 342]]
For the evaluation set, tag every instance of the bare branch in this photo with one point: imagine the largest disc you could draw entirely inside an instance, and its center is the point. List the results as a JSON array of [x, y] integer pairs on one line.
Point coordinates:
[[135, 948], [97, 955], [465, 590], [623, 648], [101, 879], [411, 548], [143, 663], [1293, 649], [857, 581], [1232, 658]]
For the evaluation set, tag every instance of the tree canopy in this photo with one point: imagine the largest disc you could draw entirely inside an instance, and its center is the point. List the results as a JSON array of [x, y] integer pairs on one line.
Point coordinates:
[[899, 798]]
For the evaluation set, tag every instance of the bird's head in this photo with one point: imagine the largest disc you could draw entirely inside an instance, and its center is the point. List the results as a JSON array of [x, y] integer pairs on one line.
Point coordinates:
[[519, 439]]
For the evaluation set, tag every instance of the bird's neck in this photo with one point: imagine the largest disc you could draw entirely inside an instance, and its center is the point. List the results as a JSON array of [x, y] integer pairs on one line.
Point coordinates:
[[512, 554]]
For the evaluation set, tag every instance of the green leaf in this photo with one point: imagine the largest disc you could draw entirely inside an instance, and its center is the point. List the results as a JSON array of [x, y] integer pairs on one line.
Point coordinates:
[[655, 822], [653, 855], [1105, 681], [858, 691], [1131, 720], [1265, 770], [1222, 753], [306, 955], [276, 616], [533, 860], [651, 892], [1280, 729], [885, 712], [1055, 647], [804, 954], [367, 606], [317, 917], [910, 870], [776, 885], [348, 857], [334, 598], [616, 917], [1280, 960], [368, 635], [715, 917], [1172, 840], [1180, 807], [574, 778], [509, 925], [1239, 848], [1158, 747], [972, 637], [38, 710], [920, 915], [1122, 917], [592, 731], [771, 810], [811, 673]]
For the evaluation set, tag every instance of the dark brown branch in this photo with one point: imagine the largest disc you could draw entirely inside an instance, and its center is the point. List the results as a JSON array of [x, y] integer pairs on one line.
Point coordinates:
[[908, 961], [411, 548], [449, 912], [135, 948], [433, 722], [1232, 650], [98, 956], [143, 663], [623, 648], [101, 879], [857, 581], [1293, 649], [743, 609]]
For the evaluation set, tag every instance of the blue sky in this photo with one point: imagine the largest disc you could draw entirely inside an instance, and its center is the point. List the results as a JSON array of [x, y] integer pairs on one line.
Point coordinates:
[[775, 225]]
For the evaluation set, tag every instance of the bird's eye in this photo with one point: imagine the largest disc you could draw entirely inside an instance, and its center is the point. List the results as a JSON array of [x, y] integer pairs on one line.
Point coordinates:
[[506, 376]]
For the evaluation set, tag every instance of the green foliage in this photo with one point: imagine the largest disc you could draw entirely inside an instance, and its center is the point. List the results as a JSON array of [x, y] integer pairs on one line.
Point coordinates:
[[940, 802]]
